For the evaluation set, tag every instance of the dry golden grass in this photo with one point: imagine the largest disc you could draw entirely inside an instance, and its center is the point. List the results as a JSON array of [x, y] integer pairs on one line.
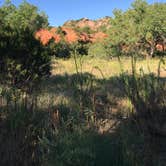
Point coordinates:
[[59, 89], [103, 67]]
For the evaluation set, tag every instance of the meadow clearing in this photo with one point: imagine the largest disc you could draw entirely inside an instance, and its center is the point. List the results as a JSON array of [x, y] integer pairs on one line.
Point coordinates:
[[104, 74], [94, 82], [104, 67]]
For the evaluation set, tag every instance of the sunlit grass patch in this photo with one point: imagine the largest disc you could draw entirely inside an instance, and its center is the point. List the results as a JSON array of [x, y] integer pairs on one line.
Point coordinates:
[[104, 67]]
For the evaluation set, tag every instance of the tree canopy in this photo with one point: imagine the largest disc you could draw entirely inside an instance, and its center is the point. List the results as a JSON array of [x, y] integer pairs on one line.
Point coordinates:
[[23, 60], [140, 28]]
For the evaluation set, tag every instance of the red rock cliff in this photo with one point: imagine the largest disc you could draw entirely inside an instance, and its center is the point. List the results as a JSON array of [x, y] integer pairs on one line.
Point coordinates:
[[71, 31]]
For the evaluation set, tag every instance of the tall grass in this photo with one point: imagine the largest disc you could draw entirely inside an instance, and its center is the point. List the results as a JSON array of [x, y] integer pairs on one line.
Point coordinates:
[[68, 133], [147, 93]]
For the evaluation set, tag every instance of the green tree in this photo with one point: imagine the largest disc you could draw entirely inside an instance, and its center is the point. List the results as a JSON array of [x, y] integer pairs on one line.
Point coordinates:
[[155, 26], [25, 16], [139, 29], [23, 60]]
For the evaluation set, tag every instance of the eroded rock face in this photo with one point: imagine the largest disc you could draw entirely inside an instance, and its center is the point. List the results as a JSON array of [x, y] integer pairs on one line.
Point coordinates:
[[92, 24], [70, 31], [84, 37], [86, 23], [70, 35], [45, 36], [99, 36]]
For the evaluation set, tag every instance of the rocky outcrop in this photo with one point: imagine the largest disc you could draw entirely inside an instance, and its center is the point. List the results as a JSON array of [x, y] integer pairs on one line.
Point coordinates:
[[103, 22], [97, 37], [72, 31], [45, 36], [86, 23], [70, 35], [92, 24]]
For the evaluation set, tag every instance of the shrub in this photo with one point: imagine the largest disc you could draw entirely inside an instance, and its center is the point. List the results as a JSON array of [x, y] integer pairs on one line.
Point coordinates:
[[61, 50], [23, 59]]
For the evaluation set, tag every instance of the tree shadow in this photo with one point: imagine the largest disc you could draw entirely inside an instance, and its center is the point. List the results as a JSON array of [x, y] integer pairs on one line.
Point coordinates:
[[114, 140], [120, 146], [123, 145], [85, 88], [70, 82]]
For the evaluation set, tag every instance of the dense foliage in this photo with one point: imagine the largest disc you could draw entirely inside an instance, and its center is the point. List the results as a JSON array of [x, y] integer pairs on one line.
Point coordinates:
[[140, 29], [23, 59], [66, 50]]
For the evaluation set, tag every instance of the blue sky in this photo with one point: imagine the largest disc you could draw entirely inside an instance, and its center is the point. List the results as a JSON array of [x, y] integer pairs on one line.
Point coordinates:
[[59, 11]]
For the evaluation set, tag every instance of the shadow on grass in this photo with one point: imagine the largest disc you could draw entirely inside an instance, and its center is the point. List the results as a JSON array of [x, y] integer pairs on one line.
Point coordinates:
[[91, 92], [120, 147], [124, 146], [85, 89], [75, 144], [71, 82], [78, 141]]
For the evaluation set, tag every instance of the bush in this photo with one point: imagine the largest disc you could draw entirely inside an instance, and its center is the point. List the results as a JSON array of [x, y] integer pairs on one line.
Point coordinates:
[[82, 48], [61, 50], [23, 59]]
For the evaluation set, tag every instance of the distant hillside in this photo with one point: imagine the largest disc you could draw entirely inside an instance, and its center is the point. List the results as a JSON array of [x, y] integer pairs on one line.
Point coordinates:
[[84, 30], [94, 25]]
